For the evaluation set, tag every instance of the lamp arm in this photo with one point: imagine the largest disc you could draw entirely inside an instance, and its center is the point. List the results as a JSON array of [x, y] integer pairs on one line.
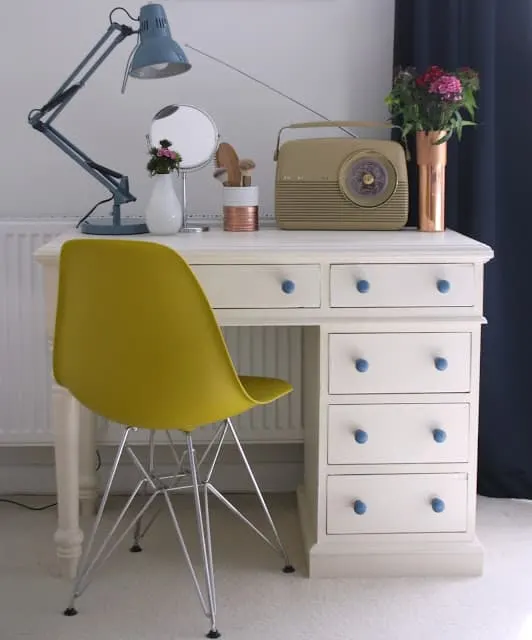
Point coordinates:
[[113, 181], [41, 119]]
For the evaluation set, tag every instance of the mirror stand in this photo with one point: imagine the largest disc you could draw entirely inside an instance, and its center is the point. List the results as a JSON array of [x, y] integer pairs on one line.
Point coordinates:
[[187, 227]]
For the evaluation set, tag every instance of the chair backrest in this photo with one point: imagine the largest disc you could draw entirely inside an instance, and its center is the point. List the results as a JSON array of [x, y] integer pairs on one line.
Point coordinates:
[[136, 340]]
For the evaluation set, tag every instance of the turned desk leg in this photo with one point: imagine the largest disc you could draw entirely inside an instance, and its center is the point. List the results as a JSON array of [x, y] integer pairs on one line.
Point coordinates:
[[68, 537], [88, 477]]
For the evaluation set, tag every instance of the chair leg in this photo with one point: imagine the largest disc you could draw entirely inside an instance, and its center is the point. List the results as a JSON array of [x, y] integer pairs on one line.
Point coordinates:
[[210, 559], [217, 440], [70, 610], [178, 477], [138, 534], [92, 562], [88, 566], [205, 539], [288, 568]]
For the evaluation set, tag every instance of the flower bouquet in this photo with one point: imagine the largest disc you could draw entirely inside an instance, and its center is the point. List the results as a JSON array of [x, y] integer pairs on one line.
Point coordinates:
[[434, 105]]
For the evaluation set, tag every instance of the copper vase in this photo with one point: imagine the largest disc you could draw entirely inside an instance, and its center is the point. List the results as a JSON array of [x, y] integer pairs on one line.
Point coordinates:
[[431, 160]]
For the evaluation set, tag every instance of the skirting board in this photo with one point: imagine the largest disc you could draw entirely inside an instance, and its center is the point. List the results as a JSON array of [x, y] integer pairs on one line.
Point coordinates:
[[334, 560], [278, 468]]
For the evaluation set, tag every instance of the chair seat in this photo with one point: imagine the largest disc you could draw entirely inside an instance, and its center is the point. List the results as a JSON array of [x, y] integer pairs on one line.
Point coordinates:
[[259, 391], [265, 390]]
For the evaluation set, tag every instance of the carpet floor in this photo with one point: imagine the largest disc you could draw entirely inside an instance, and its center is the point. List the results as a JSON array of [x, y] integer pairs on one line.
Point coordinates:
[[149, 596]]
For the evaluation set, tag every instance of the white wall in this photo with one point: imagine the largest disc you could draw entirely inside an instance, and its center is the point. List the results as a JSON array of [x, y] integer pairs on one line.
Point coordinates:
[[335, 55]]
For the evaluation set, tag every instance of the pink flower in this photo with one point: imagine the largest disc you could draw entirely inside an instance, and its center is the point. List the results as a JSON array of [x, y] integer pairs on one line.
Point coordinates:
[[447, 87], [165, 152]]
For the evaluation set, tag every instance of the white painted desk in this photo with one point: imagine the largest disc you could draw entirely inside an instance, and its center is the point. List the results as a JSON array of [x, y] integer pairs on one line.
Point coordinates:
[[391, 346]]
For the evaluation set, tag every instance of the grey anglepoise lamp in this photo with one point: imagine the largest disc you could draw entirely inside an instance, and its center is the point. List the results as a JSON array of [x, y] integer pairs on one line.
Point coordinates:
[[155, 56]]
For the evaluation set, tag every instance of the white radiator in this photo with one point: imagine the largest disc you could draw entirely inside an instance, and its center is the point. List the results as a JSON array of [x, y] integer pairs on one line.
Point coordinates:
[[24, 361]]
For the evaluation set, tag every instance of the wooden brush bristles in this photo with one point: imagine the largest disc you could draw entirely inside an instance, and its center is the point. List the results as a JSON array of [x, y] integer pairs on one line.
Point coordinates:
[[246, 167]]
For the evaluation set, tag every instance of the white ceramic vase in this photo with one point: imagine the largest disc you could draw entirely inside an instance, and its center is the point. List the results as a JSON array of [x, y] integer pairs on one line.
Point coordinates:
[[164, 214]]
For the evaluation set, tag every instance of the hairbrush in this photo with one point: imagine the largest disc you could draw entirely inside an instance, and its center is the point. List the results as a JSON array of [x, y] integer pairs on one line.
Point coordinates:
[[221, 174], [246, 167]]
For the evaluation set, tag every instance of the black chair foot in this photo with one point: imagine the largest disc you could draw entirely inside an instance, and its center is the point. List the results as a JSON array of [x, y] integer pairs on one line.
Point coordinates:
[[288, 569], [136, 548], [213, 633], [70, 611]]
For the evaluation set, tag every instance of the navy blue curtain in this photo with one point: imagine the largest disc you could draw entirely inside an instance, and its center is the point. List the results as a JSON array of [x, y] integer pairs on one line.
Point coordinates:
[[489, 196]]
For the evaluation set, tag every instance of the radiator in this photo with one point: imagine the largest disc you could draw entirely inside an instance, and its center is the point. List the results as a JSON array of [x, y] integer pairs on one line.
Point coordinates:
[[25, 364]]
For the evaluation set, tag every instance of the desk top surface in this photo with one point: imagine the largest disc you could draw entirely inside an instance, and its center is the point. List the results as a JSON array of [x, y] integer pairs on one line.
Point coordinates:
[[276, 245]]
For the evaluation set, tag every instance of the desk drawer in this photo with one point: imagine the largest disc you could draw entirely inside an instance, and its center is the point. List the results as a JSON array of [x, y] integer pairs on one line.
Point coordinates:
[[420, 503], [398, 433], [399, 363], [257, 286], [402, 285]]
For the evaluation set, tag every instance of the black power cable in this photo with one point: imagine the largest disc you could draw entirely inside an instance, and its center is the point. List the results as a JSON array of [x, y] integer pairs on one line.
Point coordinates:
[[93, 209], [27, 506], [125, 11], [23, 505]]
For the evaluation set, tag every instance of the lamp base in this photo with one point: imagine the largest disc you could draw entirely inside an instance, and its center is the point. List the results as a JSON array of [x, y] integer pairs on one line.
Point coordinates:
[[108, 228]]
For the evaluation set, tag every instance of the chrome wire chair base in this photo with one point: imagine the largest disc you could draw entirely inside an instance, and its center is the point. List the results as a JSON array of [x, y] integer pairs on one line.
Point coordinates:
[[151, 485]]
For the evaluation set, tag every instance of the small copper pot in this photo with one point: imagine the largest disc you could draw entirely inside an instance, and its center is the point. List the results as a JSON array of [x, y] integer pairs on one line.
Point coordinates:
[[241, 218]]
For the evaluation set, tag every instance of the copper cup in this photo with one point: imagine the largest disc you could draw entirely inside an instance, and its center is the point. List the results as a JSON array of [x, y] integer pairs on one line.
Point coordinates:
[[241, 218]]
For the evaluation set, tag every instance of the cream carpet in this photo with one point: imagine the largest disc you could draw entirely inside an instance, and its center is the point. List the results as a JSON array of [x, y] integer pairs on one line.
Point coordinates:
[[148, 596]]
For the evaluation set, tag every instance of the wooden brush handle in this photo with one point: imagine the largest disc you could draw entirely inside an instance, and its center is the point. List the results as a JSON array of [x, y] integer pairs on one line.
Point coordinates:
[[246, 181]]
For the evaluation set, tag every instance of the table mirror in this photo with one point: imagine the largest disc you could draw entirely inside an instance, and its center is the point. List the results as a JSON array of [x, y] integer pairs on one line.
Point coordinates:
[[194, 135]]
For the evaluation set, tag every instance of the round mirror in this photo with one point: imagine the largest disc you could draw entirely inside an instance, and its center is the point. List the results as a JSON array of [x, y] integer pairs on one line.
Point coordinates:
[[191, 131]]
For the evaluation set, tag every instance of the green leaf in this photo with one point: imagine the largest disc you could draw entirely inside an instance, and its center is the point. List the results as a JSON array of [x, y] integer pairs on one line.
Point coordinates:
[[469, 101], [406, 129], [458, 122], [445, 138]]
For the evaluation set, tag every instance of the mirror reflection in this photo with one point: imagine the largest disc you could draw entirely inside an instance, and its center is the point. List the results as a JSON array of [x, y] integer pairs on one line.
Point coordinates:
[[192, 132]]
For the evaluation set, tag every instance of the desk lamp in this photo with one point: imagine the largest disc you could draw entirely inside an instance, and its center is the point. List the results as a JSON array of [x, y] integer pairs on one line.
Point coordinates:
[[155, 56]]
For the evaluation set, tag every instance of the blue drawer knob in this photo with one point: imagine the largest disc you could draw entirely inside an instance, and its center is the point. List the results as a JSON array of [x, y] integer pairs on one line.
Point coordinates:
[[438, 505], [362, 286], [444, 286], [361, 436], [288, 286], [439, 435], [361, 365], [441, 363], [360, 507]]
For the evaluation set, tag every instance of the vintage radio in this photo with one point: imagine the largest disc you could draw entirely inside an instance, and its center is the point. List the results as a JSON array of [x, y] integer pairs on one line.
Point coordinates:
[[343, 183]]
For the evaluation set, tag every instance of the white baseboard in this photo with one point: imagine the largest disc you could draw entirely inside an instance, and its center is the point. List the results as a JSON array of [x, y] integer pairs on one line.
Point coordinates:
[[278, 468]]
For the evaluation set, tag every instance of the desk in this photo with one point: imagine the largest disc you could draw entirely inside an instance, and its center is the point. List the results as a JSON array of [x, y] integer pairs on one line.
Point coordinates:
[[391, 349]]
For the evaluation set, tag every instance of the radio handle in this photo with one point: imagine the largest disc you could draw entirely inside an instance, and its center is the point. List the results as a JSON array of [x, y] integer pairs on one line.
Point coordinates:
[[333, 123]]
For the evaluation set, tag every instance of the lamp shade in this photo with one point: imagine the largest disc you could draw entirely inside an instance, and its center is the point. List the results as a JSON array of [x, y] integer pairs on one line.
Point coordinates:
[[157, 55]]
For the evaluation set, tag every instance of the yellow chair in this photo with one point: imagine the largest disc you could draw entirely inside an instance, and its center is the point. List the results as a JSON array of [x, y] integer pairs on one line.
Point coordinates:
[[136, 342]]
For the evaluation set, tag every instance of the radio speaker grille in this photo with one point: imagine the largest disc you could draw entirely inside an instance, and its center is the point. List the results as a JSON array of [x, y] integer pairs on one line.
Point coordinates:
[[322, 206]]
